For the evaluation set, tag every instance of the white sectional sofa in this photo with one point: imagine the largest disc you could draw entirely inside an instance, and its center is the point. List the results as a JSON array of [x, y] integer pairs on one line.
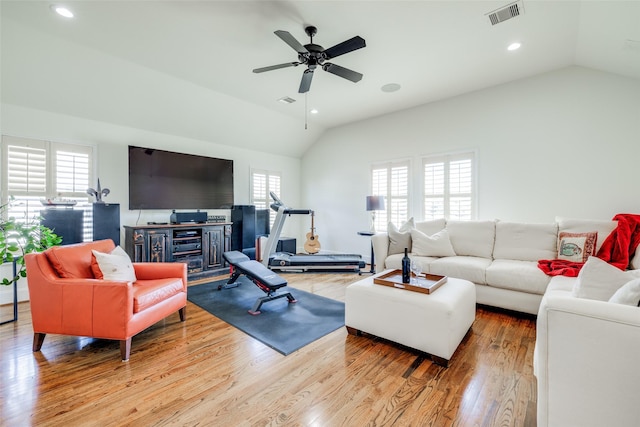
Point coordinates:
[[587, 349], [500, 257]]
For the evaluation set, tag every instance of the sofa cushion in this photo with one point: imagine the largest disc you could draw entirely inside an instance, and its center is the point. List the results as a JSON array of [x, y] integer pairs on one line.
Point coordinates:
[[74, 261], [438, 244], [113, 266], [147, 293], [599, 280], [395, 261], [525, 242], [400, 238], [524, 276], [472, 238], [462, 267], [576, 247], [603, 228], [431, 227]]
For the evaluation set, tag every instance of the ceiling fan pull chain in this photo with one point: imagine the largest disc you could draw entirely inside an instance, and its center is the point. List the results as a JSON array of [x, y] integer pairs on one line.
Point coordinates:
[[306, 98]]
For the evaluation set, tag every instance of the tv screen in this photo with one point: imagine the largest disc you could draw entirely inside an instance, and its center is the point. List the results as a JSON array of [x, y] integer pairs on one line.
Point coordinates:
[[166, 180]]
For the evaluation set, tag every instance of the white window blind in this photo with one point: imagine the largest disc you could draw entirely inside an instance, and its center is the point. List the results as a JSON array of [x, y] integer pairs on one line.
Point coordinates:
[[41, 169], [391, 180], [449, 186], [263, 182]]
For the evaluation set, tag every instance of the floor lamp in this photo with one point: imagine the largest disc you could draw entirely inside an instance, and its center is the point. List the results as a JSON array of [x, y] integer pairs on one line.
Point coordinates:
[[374, 203]]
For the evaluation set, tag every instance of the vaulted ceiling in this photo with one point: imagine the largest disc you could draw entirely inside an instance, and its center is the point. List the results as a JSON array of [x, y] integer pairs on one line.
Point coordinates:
[[185, 67]]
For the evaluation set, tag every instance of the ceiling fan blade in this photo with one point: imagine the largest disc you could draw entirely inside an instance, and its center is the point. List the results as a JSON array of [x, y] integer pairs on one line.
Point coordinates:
[[305, 83], [342, 72], [276, 67], [291, 41], [346, 46]]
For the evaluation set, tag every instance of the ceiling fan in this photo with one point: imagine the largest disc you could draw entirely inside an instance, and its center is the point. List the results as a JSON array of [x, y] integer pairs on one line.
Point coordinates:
[[313, 55]]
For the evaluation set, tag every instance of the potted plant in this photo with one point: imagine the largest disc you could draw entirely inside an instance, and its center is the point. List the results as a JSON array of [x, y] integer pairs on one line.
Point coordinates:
[[18, 238]]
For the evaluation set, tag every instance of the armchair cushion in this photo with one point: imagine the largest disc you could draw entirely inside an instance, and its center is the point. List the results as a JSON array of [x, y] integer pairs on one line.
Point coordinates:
[[74, 261], [154, 291]]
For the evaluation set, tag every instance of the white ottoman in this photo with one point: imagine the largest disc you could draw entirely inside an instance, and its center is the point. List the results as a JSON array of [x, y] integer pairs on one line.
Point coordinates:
[[433, 323]]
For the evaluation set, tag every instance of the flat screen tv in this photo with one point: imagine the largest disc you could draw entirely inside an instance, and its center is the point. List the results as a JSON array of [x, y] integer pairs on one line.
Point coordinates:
[[167, 180]]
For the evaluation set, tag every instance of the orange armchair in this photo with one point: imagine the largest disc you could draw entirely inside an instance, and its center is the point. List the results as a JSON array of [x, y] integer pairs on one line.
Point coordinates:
[[67, 299]]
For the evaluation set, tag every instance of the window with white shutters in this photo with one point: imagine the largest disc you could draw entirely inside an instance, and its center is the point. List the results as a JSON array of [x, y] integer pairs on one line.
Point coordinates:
[[391, 180], [449, 186], [35, 170], [262, 183]]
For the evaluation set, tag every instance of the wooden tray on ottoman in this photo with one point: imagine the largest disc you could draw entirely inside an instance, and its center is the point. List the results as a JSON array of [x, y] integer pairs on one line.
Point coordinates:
[[426, 283]]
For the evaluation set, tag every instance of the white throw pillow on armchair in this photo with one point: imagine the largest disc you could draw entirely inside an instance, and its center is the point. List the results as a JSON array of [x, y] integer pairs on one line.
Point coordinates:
[[599, 280], [628, 294]]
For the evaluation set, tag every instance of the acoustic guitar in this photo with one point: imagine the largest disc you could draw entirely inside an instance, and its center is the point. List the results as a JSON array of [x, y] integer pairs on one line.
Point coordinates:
[[312, 245]]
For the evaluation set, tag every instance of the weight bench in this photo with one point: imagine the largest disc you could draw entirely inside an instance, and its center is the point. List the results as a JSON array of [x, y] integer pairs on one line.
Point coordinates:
[[268, 281]]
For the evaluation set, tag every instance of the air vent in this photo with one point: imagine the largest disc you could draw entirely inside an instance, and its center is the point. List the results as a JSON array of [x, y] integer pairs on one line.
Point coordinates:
[[286, 100], [507, 12]]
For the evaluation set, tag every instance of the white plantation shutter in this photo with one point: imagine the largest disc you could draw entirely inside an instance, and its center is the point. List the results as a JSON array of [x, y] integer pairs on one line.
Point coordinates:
[[449, 187], [262, 183], [391, 180], [41, 169]]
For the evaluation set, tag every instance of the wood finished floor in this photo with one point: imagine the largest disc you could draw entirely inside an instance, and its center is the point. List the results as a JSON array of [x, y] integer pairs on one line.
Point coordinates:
[[206, 373]]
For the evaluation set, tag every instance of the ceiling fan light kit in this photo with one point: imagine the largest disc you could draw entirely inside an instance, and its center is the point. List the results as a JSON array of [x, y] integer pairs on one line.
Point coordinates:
[[313, 55]]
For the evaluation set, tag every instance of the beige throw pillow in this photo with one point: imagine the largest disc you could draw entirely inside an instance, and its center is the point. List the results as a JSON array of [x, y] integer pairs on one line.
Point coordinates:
[[437, 245], [116, 265], [400, 238]]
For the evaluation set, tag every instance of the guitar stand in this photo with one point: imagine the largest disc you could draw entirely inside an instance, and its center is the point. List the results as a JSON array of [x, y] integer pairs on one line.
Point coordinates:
[[265, 279]]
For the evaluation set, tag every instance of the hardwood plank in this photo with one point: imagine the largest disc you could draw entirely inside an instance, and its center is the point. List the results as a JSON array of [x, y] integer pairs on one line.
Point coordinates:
[[205, 372]]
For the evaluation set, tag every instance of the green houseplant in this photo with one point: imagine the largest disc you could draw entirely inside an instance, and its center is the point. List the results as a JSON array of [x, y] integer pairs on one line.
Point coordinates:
[[22, 237]]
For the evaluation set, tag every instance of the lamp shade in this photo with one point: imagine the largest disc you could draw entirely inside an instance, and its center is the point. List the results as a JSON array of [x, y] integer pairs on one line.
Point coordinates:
[[375, 203]]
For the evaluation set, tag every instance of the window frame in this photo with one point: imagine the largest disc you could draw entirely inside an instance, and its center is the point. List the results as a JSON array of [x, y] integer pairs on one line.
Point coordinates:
[[447, 195], [51, 180], [267, 200], [392, 201]]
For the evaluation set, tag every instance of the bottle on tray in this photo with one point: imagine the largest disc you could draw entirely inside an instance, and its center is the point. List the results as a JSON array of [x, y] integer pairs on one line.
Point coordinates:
[[406, 267]]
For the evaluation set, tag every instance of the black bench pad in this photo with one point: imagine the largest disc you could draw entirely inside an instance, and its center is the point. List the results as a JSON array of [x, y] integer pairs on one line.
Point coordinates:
[[254, 270]]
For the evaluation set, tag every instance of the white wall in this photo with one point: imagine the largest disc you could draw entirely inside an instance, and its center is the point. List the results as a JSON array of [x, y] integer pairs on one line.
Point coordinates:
[[112, 163], [564, 143]]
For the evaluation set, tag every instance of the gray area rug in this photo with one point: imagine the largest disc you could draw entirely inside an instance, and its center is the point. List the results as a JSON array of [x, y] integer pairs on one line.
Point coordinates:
[[282, 326]]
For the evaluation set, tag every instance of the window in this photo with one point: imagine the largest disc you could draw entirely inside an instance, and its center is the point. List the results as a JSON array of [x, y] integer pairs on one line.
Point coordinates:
[[262, 183], [41, 169], [449, 187], [391, 180]]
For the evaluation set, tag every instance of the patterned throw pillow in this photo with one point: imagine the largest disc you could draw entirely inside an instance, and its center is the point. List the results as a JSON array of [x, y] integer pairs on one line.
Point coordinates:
[[576, 247]]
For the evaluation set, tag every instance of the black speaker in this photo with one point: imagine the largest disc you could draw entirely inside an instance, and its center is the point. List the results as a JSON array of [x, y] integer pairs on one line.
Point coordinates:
[[66, 223], [243, 230], [262, 222], [106, 222]]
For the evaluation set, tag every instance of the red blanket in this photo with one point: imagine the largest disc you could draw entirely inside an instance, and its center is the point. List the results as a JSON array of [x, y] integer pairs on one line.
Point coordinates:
[[621, 244], [617, 249]]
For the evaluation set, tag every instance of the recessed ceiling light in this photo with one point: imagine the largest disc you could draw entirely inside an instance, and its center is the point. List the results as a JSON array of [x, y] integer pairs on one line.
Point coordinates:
[[313, 111], [390, 87], [62, 11], [514, 46]]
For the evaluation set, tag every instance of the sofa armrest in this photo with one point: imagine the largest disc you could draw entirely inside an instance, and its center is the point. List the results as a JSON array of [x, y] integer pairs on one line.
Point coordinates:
[[380, 242], [586, 362], [161, 270]]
